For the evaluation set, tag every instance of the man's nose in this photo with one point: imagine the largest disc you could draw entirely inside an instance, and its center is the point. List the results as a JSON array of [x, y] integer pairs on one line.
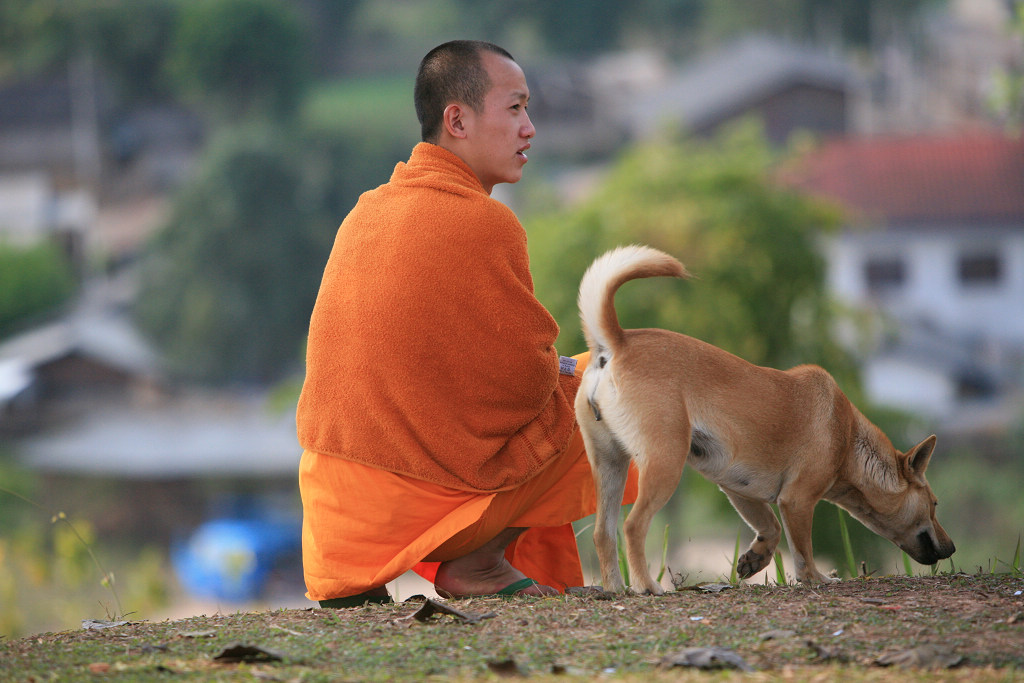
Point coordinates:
[[528, 130]]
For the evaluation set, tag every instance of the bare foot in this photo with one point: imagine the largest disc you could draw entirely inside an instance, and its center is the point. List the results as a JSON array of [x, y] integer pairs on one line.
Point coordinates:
[[484, 571], [454, 582]]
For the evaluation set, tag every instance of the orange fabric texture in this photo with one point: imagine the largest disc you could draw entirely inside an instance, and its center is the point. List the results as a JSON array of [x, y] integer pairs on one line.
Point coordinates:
[[429, 355], [364, 527]]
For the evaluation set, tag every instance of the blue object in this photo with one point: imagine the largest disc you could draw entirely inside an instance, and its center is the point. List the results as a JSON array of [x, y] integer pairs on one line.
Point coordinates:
[[229, 559]]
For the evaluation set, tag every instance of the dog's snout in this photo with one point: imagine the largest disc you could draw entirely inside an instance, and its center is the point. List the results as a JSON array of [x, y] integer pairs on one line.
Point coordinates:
[[926, 551], [924, 540]]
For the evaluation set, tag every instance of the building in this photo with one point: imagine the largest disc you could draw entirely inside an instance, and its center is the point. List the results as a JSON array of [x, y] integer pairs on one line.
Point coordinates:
[[935, 242], [790, 88]]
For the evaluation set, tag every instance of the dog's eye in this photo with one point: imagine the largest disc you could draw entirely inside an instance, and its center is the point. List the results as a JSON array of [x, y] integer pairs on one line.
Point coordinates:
[[602, 361]]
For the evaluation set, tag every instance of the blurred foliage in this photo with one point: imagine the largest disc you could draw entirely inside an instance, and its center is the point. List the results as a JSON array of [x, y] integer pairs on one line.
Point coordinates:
[[1007, 98], [128, 38], [33, 280], [377, 107], [34, 35], [227, 56], [237, 57], [582, 27], [230, 281], [48, 576], [247, 48], [575, 28], [758, 289], [854, 22], [980, 504], [131, 39]]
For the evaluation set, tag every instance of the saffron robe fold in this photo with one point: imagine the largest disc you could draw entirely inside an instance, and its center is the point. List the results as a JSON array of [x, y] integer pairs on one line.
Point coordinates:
[[429, 355], [363, 528]]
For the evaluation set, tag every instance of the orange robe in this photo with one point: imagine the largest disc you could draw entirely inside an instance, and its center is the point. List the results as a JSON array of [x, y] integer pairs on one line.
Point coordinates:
[[433, 413], [428, 353]]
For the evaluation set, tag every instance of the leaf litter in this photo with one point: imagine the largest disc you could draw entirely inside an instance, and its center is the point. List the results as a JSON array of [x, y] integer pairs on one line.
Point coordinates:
[[826, 630]]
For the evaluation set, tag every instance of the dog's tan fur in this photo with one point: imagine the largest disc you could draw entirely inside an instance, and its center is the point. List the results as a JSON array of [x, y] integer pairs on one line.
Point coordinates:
[[764, 436]]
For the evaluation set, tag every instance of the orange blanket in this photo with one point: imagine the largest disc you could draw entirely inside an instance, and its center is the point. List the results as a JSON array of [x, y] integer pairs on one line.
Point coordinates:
[[429, 355], [363, 527]]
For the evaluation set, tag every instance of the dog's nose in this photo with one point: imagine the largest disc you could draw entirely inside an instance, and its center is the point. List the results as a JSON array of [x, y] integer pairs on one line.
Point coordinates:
[[928, 552]]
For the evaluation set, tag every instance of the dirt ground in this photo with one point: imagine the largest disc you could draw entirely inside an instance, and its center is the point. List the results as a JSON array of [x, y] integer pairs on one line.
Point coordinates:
[[945, 627]]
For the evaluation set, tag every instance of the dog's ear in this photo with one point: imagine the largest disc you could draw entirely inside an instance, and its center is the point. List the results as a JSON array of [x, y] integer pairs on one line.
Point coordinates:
[[917, 457]]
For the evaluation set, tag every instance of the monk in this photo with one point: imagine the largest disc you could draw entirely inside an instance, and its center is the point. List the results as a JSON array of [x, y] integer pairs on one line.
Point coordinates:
[[436, 416]]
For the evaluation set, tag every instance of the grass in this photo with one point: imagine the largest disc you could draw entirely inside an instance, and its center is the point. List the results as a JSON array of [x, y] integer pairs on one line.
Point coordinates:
[[838, 631], [824, 632], [780, 570], [380, 104], [844, 534], [106, 578], [51, 571], [827, 632]]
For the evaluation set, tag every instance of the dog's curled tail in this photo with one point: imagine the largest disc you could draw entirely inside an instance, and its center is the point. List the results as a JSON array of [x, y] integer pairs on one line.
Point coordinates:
[[604, 277]]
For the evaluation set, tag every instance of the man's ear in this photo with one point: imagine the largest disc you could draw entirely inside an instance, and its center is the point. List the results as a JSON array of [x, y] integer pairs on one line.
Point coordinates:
[[453, 121]]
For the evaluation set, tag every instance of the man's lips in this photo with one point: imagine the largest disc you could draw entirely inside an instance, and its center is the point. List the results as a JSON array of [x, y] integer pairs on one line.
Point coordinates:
[[522, 152]]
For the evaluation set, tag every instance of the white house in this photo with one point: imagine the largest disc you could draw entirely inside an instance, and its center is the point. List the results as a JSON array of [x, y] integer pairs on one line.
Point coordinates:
[[935, 242]]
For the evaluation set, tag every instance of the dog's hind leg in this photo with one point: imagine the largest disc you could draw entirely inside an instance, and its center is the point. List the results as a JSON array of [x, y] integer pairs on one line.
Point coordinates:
[[610, 466], [762, 520], [659, 477]]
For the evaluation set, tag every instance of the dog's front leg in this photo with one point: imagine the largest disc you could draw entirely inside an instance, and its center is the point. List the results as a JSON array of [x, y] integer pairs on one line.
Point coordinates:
[[761, 519], [798, 518]]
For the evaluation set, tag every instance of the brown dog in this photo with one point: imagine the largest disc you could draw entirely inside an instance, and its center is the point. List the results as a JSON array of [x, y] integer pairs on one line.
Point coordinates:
[[764, 436]]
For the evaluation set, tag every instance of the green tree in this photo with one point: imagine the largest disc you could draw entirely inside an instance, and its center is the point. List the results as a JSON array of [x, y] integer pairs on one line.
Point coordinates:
[[759, 288], [241, 57], [33, 280], [32, 36], [131, 39], [1008, 99], [230, 281], [579, 26], [128, 38]]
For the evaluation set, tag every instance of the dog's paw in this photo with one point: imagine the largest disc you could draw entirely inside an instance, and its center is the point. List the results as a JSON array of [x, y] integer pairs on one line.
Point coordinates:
[[817, 578], [652, 589], [751, 563], [613, 586]]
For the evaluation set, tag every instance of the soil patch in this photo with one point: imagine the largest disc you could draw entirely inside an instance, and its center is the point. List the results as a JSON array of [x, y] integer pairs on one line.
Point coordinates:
[[947, 627]]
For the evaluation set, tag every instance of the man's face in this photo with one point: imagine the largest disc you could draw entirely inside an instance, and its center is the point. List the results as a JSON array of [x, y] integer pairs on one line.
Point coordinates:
[[500, 133]]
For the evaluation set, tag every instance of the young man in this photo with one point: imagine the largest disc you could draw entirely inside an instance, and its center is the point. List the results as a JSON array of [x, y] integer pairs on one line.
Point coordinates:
[[436, 417]]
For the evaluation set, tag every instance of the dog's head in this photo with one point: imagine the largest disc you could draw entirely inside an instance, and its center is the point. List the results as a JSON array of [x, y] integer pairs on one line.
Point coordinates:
[[903, 509]]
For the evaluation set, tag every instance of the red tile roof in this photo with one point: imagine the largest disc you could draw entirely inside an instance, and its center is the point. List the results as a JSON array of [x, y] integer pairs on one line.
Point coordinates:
[[968, 178]]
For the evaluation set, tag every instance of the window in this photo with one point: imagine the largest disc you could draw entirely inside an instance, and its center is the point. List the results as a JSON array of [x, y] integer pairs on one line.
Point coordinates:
[[884, 274], [980, 269]]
